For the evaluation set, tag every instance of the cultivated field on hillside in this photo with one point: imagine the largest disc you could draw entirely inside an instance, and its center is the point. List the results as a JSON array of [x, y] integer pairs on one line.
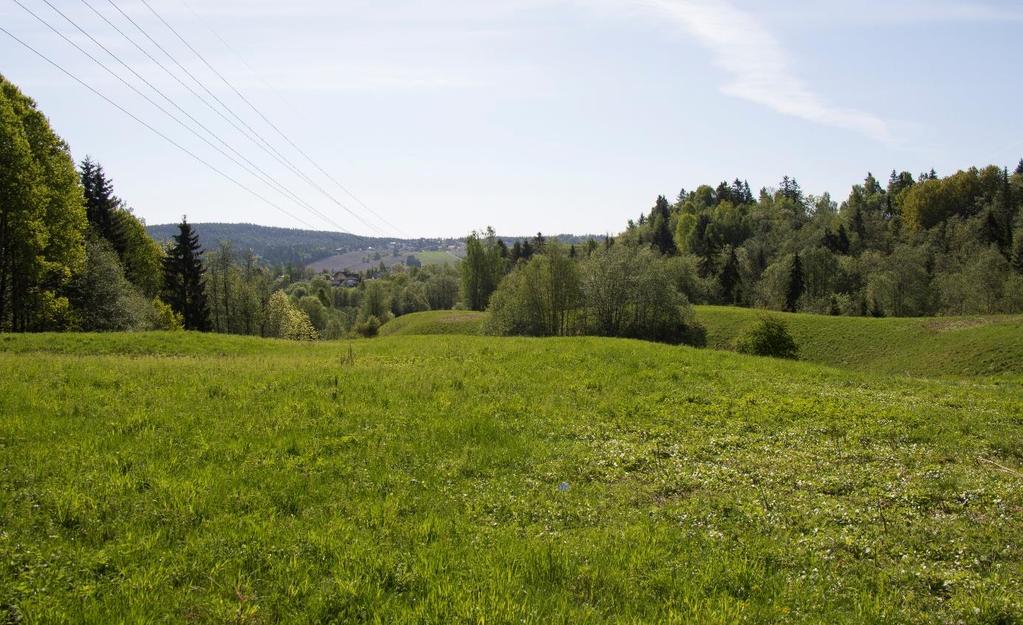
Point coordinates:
[[211, 479]]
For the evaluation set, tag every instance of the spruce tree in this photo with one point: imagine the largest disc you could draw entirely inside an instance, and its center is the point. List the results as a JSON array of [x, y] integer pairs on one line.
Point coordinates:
[[1017, 252], [1019, 168], [101, 205], [516, 252], [729, 278], [661, 238], [527, 250], [796, 285], [184, 286], [843, 239]]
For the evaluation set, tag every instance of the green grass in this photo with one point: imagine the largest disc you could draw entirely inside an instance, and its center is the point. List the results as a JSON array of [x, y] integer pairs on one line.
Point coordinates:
[[465, 322], [167, 478], [437, 258], [936, 346], [929, 347]]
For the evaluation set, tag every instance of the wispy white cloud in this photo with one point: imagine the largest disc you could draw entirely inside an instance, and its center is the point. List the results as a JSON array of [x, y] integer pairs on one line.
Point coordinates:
[[758, 67], [884, 13]]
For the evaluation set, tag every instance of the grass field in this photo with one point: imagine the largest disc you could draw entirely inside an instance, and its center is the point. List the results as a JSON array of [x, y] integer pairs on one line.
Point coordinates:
[[454, 479], [937, 346], [437, 258]]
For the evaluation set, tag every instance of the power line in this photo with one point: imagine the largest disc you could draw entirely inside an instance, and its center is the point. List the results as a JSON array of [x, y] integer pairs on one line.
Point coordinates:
[[293, 108], [252, 135], [266, 178], [272, 125], [155, 131], [173, 75]]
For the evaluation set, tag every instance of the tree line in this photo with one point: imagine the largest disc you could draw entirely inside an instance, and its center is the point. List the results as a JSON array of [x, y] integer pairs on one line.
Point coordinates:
[[916, 246]]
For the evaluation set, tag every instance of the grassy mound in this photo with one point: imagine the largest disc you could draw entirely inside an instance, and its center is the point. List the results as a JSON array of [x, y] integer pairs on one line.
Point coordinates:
[[953, 346], [202, 479], [435, 322]]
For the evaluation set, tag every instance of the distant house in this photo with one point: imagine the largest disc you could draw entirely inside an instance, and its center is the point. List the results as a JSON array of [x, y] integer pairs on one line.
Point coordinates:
[[346, 279]]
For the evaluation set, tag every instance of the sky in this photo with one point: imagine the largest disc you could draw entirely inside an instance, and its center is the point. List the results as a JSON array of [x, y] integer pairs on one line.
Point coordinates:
[[438, 117]]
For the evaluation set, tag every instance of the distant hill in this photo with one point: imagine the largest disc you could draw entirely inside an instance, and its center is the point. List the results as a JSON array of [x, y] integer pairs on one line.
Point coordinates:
[[330, 251], [286, 245]]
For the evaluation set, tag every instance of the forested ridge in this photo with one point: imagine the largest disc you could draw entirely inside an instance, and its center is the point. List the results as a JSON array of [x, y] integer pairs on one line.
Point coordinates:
[[910, 246]]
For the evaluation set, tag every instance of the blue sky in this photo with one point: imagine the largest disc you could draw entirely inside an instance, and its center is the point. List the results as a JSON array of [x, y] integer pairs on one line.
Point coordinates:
[[552, 115]]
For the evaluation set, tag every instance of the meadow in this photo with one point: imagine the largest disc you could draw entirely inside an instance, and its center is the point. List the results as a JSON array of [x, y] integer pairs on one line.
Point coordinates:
[[177, 477], [927, 347]]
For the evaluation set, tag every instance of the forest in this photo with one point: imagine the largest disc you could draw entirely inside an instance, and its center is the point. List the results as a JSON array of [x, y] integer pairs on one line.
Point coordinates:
[[74, 256]]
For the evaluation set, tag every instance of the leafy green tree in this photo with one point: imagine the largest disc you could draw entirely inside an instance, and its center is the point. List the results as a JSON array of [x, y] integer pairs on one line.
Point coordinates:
[[183, 277], [987, 274], [42, 218], [315, 312], [540, 298], [164, 317], [442, 290], [286, 321], [105, 301], [631, 292], [412, 298], [141, 256], [482, 268], [376, 301]]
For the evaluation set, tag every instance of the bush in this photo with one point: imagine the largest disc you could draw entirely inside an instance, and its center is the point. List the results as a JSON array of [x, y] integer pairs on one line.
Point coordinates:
[[286, 321], [163, 317], [369, 328], [767, 337]]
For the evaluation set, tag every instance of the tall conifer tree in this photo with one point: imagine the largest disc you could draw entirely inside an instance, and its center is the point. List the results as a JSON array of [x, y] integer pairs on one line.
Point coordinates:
[[729, 278], [184, 287], [796, 285], [662, 238], [101, 205]]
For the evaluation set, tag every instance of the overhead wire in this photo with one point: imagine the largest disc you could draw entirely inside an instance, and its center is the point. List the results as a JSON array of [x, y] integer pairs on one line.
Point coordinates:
[[155, 131], [250, 133], [270, 123], [252, 169]]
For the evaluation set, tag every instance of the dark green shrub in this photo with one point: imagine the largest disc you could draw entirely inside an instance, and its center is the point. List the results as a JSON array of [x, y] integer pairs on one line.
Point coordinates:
[[369, 328], [767, 337]]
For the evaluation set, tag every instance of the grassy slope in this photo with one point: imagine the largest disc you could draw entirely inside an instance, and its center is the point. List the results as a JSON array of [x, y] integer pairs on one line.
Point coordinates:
[[964, 346], [927, 347], [435, 322], [211, 479]]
